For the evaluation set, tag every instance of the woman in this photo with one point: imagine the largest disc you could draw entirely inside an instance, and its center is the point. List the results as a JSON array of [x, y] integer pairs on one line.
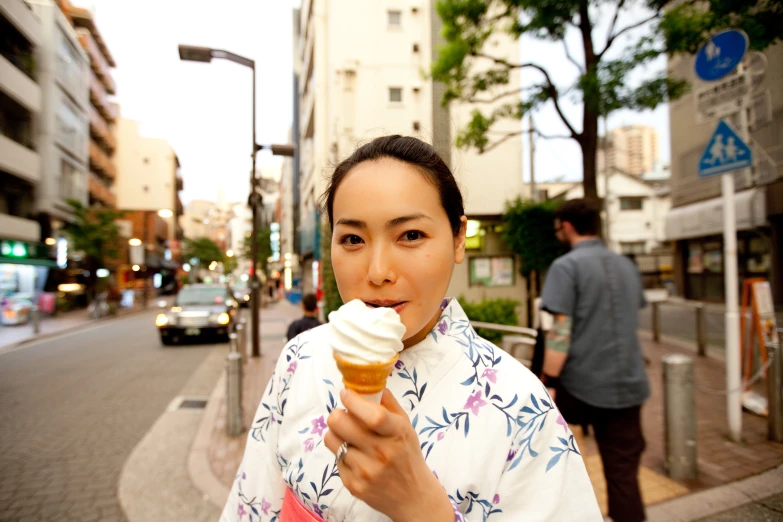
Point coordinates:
[[463, 432]]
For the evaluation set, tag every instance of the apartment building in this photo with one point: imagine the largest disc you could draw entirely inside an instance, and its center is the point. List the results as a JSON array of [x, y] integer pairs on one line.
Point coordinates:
[[62, 129], [23, 256], [631, 148], [353, 89], [101, 112]]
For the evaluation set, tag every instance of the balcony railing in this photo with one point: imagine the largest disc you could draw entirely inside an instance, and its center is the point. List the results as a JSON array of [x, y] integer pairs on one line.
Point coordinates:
[[99, 129], [99, 99], [101, 162], [101, 192]]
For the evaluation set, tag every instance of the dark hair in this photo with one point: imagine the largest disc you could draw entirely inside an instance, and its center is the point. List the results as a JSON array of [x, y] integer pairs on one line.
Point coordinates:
[[583, 214], [310, 302], [413, 152]]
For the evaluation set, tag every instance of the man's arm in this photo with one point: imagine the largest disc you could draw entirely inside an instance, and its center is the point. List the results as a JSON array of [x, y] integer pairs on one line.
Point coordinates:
[[558, 341]]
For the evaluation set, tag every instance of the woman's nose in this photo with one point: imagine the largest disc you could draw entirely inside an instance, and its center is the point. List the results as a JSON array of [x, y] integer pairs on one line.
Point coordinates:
[[381, 269]]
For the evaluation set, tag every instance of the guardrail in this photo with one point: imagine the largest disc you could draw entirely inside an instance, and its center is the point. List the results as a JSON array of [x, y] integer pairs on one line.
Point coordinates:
[[701, 325]]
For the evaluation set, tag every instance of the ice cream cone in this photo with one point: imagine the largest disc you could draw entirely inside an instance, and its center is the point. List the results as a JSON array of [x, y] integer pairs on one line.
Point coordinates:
[[365, 378]]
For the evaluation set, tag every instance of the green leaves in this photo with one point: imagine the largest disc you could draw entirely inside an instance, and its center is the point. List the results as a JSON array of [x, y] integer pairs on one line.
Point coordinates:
[[264, 247], [497, 311], [529, 231], [204, 249], [94, 231]]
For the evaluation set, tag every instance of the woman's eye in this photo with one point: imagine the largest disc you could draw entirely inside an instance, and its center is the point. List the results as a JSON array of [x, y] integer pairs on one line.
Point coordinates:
[[412, 235], [351, 239]]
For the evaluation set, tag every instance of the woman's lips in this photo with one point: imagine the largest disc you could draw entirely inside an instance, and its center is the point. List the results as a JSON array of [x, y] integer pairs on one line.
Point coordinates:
[[397, 306]]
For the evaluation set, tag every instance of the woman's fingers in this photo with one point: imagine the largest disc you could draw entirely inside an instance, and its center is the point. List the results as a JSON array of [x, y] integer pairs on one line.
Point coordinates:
[[332, 442], [349, 429], [375, 417]]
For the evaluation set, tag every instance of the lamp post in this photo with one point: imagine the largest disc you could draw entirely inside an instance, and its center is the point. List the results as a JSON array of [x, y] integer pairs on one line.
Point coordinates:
[[206, 54]]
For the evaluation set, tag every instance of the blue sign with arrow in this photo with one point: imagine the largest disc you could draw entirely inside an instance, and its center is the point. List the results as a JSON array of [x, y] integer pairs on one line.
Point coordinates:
[[721, 54], [725, 152]]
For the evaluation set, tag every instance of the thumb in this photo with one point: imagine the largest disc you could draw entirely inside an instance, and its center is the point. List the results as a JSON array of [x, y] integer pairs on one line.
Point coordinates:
[[390, 403]]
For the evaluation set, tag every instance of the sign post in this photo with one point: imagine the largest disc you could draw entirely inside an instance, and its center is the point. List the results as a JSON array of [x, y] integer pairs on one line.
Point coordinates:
[[716, 59]]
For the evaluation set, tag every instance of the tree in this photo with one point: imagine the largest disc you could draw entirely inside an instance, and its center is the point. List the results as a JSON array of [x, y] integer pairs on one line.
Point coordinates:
[[94, 232], [203, 249], [332, 299], [264, 247], [471, 73], [529, 231]]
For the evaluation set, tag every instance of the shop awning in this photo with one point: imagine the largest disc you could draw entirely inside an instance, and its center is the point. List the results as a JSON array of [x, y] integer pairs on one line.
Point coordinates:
[[705, 218], [27, 261]]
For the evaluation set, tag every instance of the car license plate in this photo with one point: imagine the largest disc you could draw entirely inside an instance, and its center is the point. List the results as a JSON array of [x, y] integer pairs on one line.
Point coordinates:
[[192, 331]]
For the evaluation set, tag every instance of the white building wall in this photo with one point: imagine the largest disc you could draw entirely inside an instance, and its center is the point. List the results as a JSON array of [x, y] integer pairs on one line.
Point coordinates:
[[63, 129], [630, 226]]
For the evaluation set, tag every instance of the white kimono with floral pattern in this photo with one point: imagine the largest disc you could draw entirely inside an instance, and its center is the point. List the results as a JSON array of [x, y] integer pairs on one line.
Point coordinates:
[[488, 430]]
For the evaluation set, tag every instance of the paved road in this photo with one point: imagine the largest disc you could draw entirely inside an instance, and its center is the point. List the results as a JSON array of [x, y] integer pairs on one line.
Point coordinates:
[[73, 408]]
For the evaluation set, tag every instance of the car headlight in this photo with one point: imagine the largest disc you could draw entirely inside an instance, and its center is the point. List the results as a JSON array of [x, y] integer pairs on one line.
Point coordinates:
[[247, 298], [223, 318], [161, 320]]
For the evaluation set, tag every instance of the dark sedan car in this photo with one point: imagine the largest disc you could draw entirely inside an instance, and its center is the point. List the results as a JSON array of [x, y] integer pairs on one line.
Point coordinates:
[[199, 311], [242, 294]]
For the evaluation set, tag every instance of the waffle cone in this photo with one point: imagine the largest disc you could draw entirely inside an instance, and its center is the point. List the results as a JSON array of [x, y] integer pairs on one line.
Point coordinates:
[[367, 379]]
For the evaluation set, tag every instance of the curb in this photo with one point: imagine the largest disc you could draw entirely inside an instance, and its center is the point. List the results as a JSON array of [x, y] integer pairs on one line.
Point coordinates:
[[696, 506], [199, 467], [48, 335]]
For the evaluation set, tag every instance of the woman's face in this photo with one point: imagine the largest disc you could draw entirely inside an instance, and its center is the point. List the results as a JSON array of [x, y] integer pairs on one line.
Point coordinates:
[[392, 243]]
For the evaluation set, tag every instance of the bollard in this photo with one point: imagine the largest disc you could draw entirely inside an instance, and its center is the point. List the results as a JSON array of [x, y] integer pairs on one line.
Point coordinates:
[[233, 394], [240, 333], [679, 411], [656, 324], [232, 342], [775, 392], [36, 318], [701, 330]]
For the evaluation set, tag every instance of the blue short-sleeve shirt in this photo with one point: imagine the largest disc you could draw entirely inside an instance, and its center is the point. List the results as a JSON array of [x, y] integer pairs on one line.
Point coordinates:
[[601, 291]]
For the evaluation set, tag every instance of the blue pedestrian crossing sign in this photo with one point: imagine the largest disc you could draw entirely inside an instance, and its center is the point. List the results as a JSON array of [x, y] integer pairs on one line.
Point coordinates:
[[725, 152]]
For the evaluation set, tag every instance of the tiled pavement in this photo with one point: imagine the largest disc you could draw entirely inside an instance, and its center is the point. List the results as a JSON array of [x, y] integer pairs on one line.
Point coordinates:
[[720, 461]]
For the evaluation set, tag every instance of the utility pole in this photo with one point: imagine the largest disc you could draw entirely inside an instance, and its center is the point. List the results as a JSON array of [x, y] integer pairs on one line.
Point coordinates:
[[533, 190]]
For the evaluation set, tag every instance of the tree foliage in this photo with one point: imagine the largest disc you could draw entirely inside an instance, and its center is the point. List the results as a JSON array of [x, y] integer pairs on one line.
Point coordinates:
[[332, 299], [528, 230], [95, 233], [264, 247], [472, 73], [203, 249]]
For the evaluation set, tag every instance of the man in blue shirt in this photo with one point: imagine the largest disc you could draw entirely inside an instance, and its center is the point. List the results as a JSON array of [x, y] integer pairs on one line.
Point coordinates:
[[593, 360]]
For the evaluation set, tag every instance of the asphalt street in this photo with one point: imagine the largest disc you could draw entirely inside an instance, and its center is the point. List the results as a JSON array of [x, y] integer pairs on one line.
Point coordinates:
[[73, 407]]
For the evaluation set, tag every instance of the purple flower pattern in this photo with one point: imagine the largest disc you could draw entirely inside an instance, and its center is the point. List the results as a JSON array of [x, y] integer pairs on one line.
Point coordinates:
[[491, 375], [475, 402], [319, 425]]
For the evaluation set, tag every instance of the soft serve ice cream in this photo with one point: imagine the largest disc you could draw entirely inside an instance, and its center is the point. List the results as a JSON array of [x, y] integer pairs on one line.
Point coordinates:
[[365, 343]]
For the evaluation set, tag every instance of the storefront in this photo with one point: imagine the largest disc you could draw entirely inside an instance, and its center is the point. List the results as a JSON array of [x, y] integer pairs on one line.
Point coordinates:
[[24, 270], [697, 232]]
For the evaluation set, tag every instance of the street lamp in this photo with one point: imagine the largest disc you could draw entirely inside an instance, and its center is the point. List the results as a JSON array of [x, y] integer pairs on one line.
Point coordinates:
[[165, 213], [229, 253], [134, 241], [205, 54]]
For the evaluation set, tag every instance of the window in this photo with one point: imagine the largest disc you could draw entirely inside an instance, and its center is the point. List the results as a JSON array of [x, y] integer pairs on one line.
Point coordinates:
[[415, 48], [631, 203], [416, 126], [632, 247], [395, 19], [395, 94]]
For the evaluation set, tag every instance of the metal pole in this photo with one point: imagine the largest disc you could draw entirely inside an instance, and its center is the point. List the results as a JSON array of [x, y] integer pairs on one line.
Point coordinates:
[[233, 394], [255, 309], [775, 393], [240, 333], [679, 410], [733, 364], [656, 323], [35, 316], [145, 249], [533, 190], [701, 330]]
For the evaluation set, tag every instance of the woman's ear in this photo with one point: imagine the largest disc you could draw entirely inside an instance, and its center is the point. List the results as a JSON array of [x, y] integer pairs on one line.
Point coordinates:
[[459, 241]]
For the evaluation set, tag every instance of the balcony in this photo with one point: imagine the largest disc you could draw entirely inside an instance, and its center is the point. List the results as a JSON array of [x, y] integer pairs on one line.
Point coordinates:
[[100, 130], [21, 229], [100, 161], [100, 192], [20, 161], [18, 86], [98, 62], [99, 99]]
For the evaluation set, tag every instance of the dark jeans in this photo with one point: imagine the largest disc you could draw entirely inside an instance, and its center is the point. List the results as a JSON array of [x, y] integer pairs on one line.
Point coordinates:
[[621, 443]]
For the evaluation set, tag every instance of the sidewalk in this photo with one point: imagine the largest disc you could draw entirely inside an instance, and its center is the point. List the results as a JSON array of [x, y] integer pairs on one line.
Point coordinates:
[[13, 336], [721, 462]]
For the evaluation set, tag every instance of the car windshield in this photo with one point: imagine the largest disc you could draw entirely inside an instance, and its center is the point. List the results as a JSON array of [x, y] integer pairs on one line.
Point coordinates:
[[239, 288], [201, 296]]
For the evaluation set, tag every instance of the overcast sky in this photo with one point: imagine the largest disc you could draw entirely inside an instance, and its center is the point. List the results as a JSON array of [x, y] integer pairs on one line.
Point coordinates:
[[203, 110]]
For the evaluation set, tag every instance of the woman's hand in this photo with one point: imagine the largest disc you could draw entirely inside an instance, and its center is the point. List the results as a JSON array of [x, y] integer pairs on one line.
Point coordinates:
[[384, 466]]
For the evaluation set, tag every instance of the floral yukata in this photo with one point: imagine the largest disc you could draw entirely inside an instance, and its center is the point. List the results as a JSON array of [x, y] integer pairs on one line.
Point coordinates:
[[488, 430]]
